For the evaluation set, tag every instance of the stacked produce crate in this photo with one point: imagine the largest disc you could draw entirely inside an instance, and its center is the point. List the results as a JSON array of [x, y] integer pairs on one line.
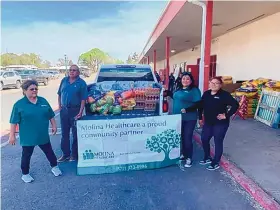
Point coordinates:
[[114, 99]]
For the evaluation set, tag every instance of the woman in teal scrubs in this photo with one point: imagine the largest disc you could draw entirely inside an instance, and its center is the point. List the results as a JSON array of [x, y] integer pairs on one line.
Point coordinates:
[[186, 96], [33, 113]]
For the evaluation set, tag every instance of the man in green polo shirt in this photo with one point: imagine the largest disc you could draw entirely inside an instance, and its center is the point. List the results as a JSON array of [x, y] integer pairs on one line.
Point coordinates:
[[33, 114]]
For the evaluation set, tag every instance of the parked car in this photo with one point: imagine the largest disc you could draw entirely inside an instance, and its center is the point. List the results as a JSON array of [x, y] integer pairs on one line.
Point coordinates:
[[54, 74], [10, 79], [37, 75]]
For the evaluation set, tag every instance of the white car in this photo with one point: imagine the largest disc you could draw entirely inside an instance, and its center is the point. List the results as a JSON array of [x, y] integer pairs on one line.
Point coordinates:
[[10, 79]]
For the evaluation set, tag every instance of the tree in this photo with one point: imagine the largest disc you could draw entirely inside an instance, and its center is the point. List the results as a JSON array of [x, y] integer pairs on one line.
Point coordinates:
[[132, 59], [164, 142], [95, 57], [61, 62], [45, 64], [23, 59]]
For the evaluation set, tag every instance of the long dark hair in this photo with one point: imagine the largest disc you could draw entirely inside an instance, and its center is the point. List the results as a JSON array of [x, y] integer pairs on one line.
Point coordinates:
[[192, 85]]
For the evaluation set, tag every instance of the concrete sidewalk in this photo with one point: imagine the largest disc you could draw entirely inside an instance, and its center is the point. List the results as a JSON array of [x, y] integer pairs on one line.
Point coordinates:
[[254, 148]]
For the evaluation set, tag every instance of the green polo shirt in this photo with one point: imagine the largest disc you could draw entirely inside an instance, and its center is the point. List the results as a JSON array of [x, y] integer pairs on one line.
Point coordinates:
[[184, 98], [33, 120]]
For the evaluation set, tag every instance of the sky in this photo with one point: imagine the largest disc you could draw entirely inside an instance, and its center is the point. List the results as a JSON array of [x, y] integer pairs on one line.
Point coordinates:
[[55, 28]]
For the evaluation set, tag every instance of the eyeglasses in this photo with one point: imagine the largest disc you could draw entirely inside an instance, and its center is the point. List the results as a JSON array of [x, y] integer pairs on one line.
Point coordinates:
[[33, 89], [215, 83]]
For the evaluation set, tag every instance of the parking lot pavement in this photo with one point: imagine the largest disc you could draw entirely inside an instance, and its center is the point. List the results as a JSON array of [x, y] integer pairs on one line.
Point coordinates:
[[10, 96], [163, 189]]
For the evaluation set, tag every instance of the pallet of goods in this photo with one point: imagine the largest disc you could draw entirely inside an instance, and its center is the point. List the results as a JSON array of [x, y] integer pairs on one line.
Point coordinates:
[[252, 89], [268, 110], [251, 100]]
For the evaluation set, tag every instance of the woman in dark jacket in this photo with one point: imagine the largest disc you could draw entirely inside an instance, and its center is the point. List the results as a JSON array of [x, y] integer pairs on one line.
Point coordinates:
[[178, 81], [214, 106], [185, 97]]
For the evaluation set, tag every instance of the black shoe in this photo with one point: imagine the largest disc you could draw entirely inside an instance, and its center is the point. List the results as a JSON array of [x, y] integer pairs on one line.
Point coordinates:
[[205, 161], [213, 167], [63, 159]]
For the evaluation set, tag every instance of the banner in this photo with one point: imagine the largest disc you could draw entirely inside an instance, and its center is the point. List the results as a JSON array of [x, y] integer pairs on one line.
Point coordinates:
[[109, 146]]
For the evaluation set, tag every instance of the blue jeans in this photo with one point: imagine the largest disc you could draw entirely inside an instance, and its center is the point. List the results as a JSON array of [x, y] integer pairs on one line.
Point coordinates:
[[187, 138], [67, 120], [217, 131]]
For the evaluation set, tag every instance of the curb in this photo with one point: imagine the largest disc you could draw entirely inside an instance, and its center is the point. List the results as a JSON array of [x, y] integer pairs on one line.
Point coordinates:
[[259, 195]]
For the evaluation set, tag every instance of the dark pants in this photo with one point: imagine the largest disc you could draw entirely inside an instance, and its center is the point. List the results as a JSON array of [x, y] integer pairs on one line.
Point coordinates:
[[187, 138], [217, 131], [67, 120], [27, 152]]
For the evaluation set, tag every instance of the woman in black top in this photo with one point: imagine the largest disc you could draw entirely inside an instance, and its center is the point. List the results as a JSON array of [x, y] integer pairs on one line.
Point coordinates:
[[214, 106]]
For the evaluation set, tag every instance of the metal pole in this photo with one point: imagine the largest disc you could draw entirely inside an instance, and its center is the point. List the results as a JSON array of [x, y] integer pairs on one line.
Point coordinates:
[[167, 56], [202, 46], [65, 60]]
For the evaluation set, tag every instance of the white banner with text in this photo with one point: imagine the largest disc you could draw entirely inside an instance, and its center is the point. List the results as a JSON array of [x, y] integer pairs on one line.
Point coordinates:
[[109, 146]]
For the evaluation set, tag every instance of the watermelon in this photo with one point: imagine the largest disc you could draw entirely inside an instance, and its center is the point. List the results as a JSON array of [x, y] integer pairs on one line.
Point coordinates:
[[109, 100], [93, 107], [117, 110], [104, 109], [101, 102], [111, 109]]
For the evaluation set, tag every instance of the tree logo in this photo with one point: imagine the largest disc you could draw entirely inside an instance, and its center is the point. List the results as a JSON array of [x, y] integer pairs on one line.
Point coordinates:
[[165, 141]]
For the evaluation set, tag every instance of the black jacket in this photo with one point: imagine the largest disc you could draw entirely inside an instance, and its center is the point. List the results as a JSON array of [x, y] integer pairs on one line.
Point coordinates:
[[213, 105]]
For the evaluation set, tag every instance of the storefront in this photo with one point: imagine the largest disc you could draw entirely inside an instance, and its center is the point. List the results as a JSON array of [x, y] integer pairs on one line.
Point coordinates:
[[241, 42], [245, 39]]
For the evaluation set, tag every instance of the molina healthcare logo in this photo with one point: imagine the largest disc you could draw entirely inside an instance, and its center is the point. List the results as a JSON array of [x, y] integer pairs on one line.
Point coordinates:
[[164, 142], [89, 155]]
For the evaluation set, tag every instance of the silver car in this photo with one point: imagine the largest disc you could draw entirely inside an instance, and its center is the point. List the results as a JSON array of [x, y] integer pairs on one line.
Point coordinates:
[[10, 79]]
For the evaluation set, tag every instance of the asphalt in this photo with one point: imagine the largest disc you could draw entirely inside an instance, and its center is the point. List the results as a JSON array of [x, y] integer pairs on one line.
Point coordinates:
[[163, 189]]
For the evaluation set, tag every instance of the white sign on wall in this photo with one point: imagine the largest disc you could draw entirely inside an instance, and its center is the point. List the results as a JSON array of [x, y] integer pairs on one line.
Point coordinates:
[[108, 146]]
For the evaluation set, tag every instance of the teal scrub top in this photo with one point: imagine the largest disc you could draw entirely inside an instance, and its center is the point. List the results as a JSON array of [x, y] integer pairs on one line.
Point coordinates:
[[33, 120], [184, 98]]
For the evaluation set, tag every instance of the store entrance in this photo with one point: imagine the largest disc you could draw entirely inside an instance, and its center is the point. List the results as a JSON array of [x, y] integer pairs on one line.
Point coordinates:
[[213, 65]]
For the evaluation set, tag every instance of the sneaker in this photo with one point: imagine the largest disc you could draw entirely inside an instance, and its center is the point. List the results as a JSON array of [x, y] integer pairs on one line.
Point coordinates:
[[27, 178], [205, 162], [56, 171], [63, 159], [72, 159], [213, 167], [188, 163]]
